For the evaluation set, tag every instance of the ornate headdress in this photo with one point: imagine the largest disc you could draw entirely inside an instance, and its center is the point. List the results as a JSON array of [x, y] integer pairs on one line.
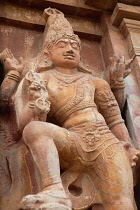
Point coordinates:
[[57, 27]]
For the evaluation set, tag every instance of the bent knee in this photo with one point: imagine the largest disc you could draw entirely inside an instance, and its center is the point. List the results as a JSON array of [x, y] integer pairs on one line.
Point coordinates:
[[35, 130]]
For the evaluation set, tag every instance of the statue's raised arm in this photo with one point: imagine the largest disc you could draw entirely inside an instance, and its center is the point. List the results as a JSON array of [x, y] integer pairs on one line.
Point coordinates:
[[13, 69], [119, 69]]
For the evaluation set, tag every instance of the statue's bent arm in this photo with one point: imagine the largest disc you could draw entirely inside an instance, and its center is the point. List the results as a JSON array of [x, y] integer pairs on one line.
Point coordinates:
[[13, 70], [109, 108]]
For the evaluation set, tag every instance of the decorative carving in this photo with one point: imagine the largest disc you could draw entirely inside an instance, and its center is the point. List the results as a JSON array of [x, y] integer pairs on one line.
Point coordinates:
[[38, 95], [56, 22], [96, 163], [64, 79]]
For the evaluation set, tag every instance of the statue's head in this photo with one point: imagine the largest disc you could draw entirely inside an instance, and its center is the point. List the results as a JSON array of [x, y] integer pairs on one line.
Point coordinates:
[[61, 47], [65, 53], [60, 41]]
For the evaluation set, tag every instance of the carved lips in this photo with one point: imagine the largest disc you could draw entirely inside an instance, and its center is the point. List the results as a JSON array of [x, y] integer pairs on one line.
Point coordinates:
[[69, 56]]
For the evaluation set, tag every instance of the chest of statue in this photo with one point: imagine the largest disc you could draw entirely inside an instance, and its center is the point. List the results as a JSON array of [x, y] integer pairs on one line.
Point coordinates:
[[69, 89]]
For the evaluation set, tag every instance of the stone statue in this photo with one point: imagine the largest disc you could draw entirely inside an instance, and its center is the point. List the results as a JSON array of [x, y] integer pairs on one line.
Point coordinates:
[[72, 126]]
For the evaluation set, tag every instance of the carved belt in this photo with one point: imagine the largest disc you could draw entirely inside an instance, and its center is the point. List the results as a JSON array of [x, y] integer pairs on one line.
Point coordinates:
[[92, 139]]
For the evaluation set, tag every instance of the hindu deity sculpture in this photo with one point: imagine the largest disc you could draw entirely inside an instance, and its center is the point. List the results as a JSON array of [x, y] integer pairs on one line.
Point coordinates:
[[71, 123]]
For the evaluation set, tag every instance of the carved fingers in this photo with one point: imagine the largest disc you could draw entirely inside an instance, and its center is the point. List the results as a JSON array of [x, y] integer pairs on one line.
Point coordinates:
[[134, 154], [6, 59], [21, 65], [134, 157], [127, 67], [10, 62], [119, 68], [6, 54]]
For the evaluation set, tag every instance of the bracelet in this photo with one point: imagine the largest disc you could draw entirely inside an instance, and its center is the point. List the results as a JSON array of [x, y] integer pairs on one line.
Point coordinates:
[[31, 105], [14, 75], [111, 125], [117, 84]]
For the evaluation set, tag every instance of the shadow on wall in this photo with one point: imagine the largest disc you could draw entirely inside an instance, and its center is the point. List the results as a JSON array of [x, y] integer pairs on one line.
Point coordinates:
[[1, 73]]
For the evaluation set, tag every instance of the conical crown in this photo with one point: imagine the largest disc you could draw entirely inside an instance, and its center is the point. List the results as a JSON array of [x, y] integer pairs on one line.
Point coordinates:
[[57, 27]]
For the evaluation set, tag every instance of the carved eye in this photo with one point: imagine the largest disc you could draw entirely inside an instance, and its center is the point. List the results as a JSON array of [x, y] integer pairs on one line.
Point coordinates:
[[75, 46], [61, 44]]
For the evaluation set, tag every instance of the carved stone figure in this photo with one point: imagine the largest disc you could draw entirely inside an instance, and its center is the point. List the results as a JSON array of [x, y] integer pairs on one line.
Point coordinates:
[[72, 126]]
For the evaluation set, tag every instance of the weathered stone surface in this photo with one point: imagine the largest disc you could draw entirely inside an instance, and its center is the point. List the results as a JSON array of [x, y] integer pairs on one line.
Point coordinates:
[[20, 179], [110, 4], [33, 19], [74, 7], [124, 11], [106, 4], [112, 41]]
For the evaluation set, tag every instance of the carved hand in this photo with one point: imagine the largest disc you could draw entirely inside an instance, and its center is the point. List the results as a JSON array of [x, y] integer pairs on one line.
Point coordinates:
[[133, 154], [119, 68], [10, 62]]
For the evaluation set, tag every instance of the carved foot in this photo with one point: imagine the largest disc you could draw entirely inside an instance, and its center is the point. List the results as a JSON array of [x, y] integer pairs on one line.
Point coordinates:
[[46, 200]]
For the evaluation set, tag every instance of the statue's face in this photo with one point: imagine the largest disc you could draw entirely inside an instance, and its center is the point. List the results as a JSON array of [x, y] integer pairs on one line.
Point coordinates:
[[65, 53]]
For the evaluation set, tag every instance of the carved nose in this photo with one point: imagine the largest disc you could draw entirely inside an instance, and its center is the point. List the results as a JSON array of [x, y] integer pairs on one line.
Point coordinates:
[[70, 51]]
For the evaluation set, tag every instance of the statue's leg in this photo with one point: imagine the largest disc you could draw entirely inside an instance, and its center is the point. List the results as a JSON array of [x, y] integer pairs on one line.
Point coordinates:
[[114, 179], [44, 140]]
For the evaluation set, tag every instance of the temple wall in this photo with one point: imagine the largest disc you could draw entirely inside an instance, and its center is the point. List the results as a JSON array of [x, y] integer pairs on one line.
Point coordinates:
[[104, 31]]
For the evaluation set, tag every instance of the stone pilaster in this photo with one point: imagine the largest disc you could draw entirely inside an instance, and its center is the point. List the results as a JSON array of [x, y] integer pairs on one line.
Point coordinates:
[[127, 18]]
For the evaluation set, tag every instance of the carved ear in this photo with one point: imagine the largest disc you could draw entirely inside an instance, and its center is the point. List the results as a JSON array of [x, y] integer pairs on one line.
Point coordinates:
[[47, 56], [46, 53], [44, 61]]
